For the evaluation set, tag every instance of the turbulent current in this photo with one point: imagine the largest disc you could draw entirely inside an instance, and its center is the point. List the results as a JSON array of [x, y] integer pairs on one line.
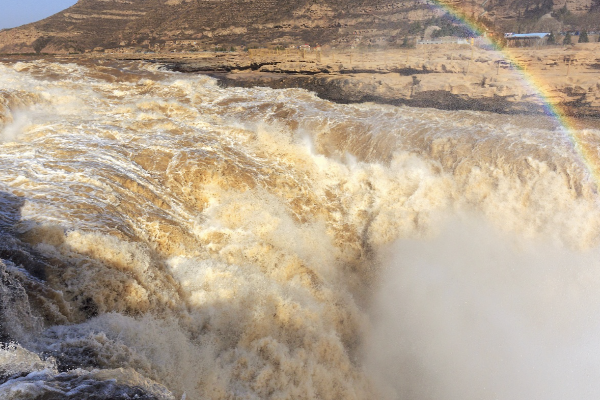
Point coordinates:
[[163, 237]]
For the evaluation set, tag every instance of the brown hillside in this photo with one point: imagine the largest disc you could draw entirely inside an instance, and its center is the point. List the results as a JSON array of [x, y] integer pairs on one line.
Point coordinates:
[[142, 25]]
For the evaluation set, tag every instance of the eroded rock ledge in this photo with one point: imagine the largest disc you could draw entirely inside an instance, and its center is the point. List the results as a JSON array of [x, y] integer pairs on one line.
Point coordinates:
[[457, 79]]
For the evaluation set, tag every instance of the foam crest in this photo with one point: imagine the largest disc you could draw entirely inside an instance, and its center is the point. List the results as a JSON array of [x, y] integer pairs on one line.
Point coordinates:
[[15, 360]]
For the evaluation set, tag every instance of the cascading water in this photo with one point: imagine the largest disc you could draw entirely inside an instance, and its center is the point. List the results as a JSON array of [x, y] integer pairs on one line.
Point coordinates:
[[166, 237]]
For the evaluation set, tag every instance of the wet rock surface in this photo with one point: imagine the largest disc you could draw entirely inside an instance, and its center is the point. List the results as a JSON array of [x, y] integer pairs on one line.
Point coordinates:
[[80, 385]]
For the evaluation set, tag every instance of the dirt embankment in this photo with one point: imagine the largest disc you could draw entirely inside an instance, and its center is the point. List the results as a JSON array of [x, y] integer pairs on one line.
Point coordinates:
[[512, 81]]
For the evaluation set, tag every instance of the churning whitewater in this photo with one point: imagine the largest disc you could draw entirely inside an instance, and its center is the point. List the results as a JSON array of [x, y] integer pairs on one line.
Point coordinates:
[[162, 237]]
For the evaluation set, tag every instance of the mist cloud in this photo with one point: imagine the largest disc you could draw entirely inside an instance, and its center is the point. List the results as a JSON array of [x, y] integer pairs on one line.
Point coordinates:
[[475, 315]]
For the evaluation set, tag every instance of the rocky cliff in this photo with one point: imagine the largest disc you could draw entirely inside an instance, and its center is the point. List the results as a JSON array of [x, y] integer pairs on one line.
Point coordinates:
[[193, 24]]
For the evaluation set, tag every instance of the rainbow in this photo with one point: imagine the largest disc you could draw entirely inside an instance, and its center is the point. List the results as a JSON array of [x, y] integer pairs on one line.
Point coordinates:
[[565, 124]]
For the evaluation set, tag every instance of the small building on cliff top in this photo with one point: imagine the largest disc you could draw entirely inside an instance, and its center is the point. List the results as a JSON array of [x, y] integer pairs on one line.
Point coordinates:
[[526, 39]]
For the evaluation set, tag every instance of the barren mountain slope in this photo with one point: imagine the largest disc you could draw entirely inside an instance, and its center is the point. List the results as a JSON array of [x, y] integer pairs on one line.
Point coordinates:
[[85, 25], [114, 23]]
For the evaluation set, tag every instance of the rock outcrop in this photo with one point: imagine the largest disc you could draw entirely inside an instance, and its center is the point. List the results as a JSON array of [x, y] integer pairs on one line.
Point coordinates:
[[437, 77]]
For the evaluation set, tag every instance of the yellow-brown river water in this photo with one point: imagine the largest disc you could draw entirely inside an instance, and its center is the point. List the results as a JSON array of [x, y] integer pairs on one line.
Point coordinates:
[[167, 238]]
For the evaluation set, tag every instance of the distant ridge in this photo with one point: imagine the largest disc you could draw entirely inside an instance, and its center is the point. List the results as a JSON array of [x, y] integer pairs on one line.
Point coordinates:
[[144, 25]]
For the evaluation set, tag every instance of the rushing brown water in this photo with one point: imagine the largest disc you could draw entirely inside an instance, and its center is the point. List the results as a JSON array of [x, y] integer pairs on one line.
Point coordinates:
[[164, 237]]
